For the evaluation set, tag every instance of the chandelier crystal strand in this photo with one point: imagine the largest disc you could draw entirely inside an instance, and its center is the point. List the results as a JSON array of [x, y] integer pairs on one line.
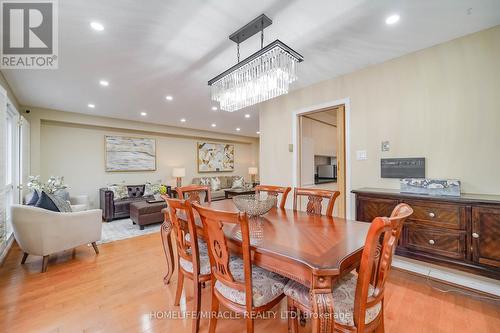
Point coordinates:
[[263, 78]]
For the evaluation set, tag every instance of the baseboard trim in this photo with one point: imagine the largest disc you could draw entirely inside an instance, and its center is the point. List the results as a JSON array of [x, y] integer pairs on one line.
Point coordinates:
[[477, 284], [7, 248]]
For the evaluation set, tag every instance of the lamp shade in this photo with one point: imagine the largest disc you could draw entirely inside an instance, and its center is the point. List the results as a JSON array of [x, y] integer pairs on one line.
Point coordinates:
[[253, 170], [179, 172]]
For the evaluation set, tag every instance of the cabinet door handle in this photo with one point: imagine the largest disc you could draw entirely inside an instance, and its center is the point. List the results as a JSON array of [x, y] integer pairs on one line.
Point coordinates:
[[431, 214], [431, 241], [475, 235]]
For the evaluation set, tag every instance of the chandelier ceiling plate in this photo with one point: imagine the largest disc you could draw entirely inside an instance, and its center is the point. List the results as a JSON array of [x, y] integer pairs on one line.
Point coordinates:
[[253, 27]]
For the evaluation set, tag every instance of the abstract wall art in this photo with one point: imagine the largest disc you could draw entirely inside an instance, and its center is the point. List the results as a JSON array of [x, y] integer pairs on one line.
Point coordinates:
[[129, 154], [215, 157]]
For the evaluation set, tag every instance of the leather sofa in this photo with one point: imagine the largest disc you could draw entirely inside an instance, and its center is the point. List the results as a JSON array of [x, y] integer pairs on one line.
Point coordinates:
[[120, 209]]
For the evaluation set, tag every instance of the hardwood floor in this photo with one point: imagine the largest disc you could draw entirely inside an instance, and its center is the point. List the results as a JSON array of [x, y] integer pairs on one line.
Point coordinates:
[[119, 289]]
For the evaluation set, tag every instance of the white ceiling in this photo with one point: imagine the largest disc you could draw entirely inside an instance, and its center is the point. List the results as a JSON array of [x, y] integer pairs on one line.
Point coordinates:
[[150, 49]]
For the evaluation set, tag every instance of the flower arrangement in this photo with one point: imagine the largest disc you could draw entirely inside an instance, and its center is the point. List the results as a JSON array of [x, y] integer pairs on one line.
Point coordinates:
[[53, 184]]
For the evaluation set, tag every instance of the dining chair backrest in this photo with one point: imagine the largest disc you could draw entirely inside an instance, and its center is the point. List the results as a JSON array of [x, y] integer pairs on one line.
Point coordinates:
[[315, 198], [185, 231], [213, 223], [192, 193], [275, 191], [376, 261]]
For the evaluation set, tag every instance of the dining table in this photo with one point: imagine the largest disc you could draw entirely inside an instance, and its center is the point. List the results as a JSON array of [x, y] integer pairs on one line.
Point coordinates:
[[315, 250]]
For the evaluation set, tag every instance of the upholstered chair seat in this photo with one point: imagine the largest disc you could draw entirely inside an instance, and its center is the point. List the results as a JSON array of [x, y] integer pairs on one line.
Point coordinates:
[[343, 296], [266, 285], [187, 265]]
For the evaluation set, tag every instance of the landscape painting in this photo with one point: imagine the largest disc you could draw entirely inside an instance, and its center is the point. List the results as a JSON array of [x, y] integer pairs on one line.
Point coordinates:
[[130, 154], [215, 157]]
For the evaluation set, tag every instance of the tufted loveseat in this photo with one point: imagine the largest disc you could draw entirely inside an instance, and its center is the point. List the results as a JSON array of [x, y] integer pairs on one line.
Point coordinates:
[[119, 209]]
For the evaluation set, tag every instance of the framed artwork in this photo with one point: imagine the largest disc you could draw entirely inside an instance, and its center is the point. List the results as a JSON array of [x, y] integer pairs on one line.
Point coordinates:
[[215, 157], [129, 154]]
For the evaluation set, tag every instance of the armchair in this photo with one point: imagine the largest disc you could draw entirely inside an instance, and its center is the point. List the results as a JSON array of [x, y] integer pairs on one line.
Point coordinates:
[[43, 232]]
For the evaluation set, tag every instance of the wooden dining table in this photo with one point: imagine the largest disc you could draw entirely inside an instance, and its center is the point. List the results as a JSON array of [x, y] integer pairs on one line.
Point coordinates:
[[311, 249]]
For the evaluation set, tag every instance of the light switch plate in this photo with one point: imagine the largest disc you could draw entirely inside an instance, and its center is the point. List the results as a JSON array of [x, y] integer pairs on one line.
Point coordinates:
[[290, 148], [385, 146], [361, 155]]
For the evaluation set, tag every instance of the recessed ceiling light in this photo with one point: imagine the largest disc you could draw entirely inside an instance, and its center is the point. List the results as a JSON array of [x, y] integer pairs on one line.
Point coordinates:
[[238, 129], [392, 19], [144, 114], [183, 120], [214, 108], [92, 106], [214, 125], [169, 98], [97, 26], [104, 83], [258, 132], [247, 116]]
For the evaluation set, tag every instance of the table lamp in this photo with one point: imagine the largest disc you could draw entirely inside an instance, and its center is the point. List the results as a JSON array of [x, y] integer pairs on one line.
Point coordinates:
[[179, 173], [252, 171]]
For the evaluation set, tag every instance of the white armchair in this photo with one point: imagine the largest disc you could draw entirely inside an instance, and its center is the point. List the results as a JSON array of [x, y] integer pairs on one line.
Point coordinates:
[[79, 203], [42, 232]]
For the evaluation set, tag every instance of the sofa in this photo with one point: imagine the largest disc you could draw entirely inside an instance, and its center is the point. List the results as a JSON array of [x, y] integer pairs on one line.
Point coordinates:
[[120, 208], [226, 182], [42, 232]]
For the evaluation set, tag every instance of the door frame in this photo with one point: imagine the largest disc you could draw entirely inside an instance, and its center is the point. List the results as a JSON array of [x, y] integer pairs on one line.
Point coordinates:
[[349, 209]]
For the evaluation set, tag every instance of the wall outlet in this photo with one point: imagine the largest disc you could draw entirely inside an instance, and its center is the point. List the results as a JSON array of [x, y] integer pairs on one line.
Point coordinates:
[[361, 155]]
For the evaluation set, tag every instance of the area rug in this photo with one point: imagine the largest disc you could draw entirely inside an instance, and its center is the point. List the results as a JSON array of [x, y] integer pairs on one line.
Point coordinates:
[[123, 229]]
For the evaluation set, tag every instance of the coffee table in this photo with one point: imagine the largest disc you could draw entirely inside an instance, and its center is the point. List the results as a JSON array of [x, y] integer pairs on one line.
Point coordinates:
[[143, 213], [238, 191]]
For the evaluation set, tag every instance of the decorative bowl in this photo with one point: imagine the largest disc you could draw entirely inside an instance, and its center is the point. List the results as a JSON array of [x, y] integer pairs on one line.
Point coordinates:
[[254, 204]]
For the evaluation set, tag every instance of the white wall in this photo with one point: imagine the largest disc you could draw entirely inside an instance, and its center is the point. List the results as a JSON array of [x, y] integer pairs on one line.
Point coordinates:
[[441, 103], [73, 146]]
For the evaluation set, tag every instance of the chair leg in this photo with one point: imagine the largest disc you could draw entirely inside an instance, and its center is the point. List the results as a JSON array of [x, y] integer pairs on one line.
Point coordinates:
[[250, 324], [45, 263], [25, 256], [197, 307], [380, 328], [180, 283], [293, 324], [214, 312], [96, 249]]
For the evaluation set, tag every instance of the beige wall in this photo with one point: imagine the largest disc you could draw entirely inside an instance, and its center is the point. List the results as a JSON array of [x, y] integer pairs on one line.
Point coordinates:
[[442, 103], [72, 145]]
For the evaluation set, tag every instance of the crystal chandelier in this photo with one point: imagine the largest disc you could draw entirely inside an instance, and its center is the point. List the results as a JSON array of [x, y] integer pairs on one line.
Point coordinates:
[[265, 74]]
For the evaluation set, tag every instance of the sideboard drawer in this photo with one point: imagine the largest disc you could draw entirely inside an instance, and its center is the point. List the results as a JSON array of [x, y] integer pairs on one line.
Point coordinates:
[[440, 215], [443, 242]]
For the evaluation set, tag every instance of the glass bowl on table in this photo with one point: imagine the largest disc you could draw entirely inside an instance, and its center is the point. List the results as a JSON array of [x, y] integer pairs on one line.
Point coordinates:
[[254, 204]]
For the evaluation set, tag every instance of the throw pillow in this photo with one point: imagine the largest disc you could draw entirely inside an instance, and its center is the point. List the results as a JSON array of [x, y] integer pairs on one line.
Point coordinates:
[[148, 190], [46, 202], [238, 183], [205, 181], [215, 184], [63, 194], [62, 205], [119, 191], [34, 198]]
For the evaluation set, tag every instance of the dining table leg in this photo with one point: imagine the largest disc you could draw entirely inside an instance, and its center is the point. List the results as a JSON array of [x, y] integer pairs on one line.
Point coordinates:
[[166, 229], [322, 305]]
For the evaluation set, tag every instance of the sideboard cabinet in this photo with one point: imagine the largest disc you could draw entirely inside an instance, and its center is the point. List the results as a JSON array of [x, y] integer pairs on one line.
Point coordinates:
[[458, 232]]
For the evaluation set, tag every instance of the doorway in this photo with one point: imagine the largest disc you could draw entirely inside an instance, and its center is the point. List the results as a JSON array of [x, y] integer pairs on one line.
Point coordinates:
[[321, 152]]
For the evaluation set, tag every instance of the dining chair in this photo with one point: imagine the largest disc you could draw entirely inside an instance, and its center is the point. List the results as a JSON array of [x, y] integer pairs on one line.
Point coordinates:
[[275, 191], [242, 287], [315, 198], [192, 193], [192, 254], [358, 298]]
